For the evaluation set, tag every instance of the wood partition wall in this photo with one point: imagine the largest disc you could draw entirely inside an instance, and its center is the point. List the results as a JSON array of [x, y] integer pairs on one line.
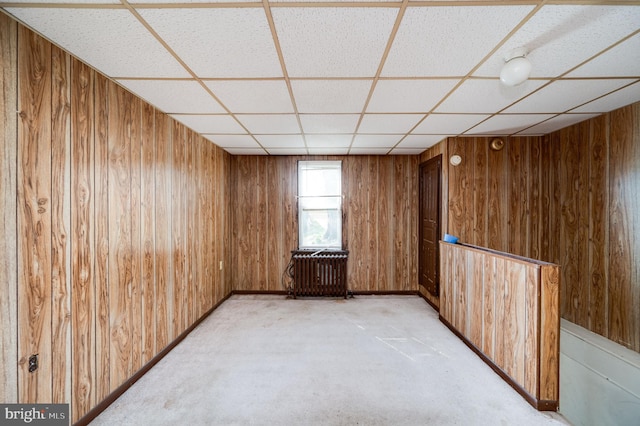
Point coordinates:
[[115, 222], [569, 198], [380, 227], [506, 308]]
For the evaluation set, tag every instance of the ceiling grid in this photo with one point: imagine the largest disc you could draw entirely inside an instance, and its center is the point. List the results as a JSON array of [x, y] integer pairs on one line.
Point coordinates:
[[279, 77]]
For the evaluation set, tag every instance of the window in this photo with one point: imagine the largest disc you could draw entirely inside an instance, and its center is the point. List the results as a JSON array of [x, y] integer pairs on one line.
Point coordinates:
[[320, 204]]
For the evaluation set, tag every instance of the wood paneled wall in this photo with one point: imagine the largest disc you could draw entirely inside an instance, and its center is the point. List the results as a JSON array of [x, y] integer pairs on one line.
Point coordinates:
[[120, 216], [569, 198], [595, 206], [8, 209], [507, 309], [380, 221]]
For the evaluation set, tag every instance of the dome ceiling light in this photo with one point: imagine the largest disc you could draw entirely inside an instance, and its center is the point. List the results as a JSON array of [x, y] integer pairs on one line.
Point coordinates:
[[516, 69]]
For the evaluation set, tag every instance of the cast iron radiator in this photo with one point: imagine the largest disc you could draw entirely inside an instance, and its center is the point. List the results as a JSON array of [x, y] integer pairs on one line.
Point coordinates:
[[320, 272]]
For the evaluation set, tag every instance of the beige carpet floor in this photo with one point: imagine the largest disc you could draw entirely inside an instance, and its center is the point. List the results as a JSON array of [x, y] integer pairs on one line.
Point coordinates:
[[369, 360]]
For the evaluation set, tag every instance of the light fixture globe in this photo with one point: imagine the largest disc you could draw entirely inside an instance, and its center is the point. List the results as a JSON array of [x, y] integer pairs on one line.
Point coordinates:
[[517, 68]]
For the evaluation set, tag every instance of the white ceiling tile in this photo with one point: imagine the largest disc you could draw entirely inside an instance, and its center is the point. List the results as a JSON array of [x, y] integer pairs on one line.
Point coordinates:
[[621, 61], [420, 141], [556, 123], [329, 123], [368, 151], [507, 124], [112, 41], [219, 42], [210, 123], [447, 124], [233, 141], [253, 96], [328, 151], [563, 95], [623, 97], [408, 95], [333, 42], [281, 141], [486, 96], [330, 96], [270, 123], [388, 123], [173, 96], [375, 141], [329, 141], [287, 151], [461, 34], [560, 37]]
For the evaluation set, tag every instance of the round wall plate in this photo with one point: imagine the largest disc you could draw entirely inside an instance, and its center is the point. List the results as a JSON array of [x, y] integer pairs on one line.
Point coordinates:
[[496, 144], [455, 160]]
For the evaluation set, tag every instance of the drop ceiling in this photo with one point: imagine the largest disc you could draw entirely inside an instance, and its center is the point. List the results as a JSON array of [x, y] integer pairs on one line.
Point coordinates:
[[357, 77]]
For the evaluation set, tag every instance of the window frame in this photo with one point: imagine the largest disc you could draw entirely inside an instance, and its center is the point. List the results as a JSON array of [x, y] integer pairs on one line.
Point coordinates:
[[325, 200]]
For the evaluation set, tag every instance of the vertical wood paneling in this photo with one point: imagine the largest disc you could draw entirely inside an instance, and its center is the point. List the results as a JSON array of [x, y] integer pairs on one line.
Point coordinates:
[[83, 314], [534, 217], [103, 325], [190, 211], [501, 312], [358, 213], [178, 198], [8, 209], [532, 312], [549, 333], [489, 307], [521, 339], [598, 225], [475, 298], [120, 255], [480, 192], [148, 233], [379, 227], [136, 248], [34, 216], [371, 225], [89, 172], [277, 258], [200, 229], [519, 197], [60, 225], [386, 227], [163, 237], [624, 213], [498, 210]]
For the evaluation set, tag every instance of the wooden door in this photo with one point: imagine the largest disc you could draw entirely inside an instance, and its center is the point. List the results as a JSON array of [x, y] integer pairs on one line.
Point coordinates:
[[429, 219]]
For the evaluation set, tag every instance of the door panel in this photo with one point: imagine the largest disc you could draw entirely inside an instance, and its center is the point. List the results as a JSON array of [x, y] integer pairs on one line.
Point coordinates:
[[429, 219]]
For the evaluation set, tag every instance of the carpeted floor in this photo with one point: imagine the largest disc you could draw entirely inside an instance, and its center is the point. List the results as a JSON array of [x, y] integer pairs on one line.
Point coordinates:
[[370, 360]]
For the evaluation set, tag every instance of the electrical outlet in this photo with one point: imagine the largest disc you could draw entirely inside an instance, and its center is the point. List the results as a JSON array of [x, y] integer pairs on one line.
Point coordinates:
[[221, 265], [33, 363]]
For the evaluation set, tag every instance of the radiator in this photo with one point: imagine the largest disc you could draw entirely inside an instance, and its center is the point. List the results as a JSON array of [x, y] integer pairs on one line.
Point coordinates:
[[320, 273]]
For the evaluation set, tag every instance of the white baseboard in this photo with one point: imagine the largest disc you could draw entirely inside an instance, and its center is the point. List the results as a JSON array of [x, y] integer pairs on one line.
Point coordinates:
[[599, 379]]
